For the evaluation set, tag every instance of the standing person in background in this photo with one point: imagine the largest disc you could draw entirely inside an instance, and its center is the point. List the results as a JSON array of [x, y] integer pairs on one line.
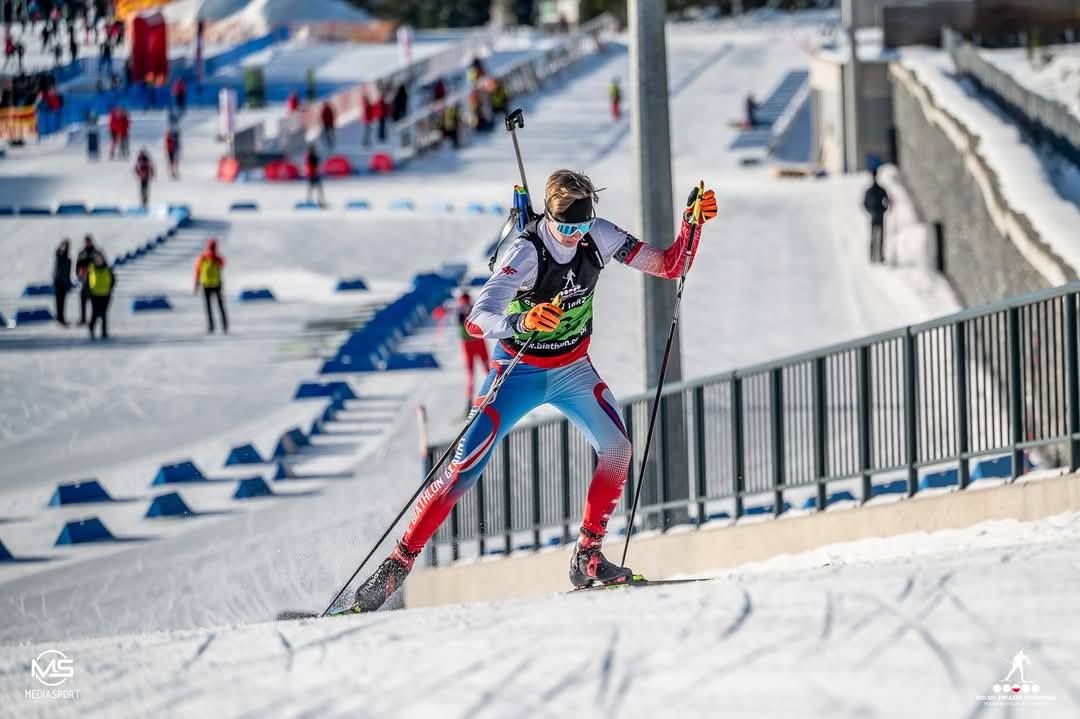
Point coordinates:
[[438, 91], [102, 282], [83, 263], [172, 151], [292, 102], [616, 99], [62, 278], [311, 169], [125, 134], [179, 94], [473, 349], [144, 171], [876, 202], [751, 111], [208, 275], [115, 127], [384, 111], [367, 113], [326, 115], [105, 60]]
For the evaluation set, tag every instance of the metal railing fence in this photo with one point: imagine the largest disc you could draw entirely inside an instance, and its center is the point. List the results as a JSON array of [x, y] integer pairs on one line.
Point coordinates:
[[1001, 379]]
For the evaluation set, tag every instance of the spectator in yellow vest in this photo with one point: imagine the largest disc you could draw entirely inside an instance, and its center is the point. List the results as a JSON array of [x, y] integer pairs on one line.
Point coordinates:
[[208, 274], [101, 282]]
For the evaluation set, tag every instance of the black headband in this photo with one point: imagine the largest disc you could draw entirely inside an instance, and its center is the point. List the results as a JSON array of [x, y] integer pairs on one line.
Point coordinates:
[[580, 210]]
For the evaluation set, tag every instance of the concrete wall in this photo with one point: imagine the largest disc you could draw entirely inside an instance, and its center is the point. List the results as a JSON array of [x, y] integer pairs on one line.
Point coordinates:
[[827, 108], [658, 556], [991, 249]]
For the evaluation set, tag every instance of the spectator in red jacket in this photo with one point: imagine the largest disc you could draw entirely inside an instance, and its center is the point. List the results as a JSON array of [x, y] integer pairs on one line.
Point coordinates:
[[144, 171], [326, 114], [172, 151], [292, 102], [115, 130], [367, 113]]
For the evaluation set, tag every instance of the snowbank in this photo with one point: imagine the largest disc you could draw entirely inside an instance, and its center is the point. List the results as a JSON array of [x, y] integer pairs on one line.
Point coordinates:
[[262, 15], [1056, 79]]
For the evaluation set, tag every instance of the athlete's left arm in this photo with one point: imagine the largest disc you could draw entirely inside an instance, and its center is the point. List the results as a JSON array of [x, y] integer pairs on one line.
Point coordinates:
[[650, 259]]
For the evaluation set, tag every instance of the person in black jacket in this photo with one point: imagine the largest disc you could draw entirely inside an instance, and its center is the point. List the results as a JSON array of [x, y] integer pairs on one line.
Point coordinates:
[[62, 278], [876, 202], [82, 267]]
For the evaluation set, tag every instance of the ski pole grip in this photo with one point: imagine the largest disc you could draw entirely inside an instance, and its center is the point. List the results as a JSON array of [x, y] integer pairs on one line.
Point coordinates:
[[516, 118]]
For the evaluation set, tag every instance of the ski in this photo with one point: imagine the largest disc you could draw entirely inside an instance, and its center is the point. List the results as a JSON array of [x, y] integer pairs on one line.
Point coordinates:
[[291, 614], [639, 580]]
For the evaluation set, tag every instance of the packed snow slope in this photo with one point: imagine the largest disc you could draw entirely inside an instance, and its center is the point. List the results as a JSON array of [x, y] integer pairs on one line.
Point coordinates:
[[917, 625]]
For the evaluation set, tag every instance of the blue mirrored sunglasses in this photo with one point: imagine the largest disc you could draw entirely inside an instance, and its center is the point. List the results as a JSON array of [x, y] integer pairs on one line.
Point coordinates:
[[571, 228]]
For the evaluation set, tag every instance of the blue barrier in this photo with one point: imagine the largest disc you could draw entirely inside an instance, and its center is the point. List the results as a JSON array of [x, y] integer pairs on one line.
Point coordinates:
[[357, 205], [243, 454], [3, 322], [35, 211], [290, 443], [478, 281], [110, 210], [307, 205], [765, 509], [244, 206], [33, 315], [5, 555], [330, 412], [936, 480], [316, 428], [177, 473], [7, 210], [135, 212], [72, 208], [498, 209], [402, 204], [412, 360], [337, 390], [169, 505], [79, 493], [352, 284], [998, 468], [475, 208], [841, 496], [251, 488], [897, 486], [181, 214], [453, 270], [160, 240], [155, 303], [257, 295], [84, 531], [350, 363], [37, 290], [283, 472]]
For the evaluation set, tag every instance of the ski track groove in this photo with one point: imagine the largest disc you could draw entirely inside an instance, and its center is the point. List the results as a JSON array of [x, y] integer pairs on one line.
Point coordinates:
[[917, 626], [740, 620], [498, 686], [199, 652], [606, 664]]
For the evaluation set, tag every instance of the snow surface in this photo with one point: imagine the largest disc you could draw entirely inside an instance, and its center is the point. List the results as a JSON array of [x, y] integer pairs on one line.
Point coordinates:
[[1045, 189], [157, 623], [1056, 78], [262, 15]]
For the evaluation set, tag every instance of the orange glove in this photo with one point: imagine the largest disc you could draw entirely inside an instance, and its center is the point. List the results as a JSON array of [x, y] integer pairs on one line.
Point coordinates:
[[708, 205], [545, 317]]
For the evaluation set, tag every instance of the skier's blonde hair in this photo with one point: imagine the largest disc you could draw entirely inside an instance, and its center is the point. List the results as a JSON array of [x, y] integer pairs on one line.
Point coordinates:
[[565, 187]]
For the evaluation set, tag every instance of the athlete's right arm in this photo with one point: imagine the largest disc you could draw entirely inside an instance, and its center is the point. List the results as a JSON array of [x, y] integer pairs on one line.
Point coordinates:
[[516, 271]]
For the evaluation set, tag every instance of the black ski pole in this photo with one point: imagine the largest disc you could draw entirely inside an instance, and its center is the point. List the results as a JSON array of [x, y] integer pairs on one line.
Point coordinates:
[[695, 225], [516, 119], [477, 411]]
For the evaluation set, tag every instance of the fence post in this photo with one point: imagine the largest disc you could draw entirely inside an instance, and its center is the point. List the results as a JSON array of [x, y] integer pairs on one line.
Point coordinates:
[[699, 453], [911, 417], [865, 421], [738, 480], [1016, 402], [508, 497], [564, 476], [455, 534], [481, 523], [776, 415], [536, 514], [962, 445], [628, 488], [821, 427], [1072, 381]]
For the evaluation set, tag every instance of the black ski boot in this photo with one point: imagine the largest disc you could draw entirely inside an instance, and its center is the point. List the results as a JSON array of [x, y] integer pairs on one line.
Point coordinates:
[[589, 567], [386, 580]]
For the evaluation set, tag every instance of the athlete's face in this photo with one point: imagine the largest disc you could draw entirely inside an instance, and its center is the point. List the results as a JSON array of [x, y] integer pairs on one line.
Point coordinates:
[[566, 240]]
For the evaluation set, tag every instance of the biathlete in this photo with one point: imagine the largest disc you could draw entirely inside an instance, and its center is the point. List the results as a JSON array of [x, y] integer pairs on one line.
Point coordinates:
[[559, 254]]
